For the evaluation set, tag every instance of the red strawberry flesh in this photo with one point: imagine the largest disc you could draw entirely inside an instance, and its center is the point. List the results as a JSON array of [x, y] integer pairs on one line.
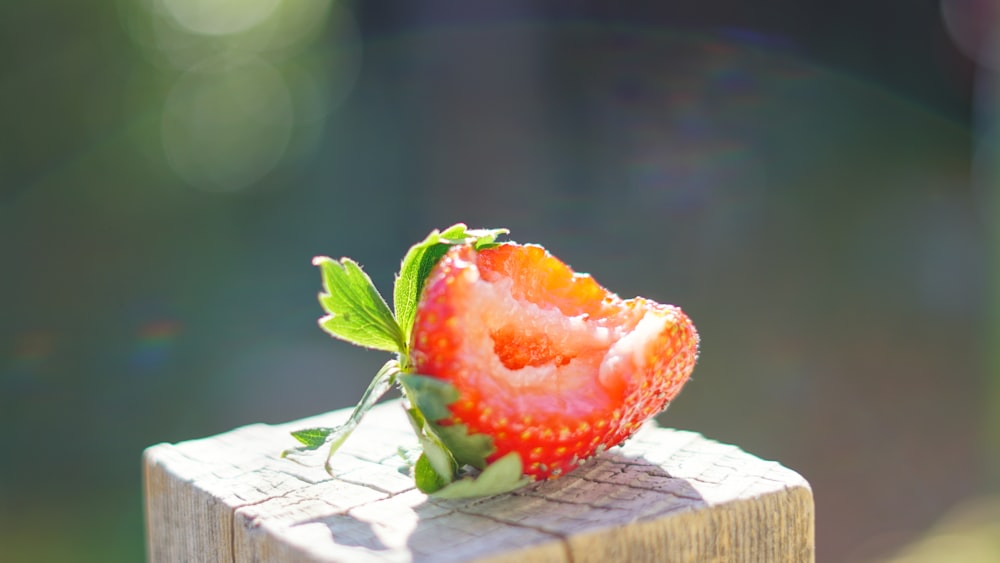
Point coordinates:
[[546, 362]]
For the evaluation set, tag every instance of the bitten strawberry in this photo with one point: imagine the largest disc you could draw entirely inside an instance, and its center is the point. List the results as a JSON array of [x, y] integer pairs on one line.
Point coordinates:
[[512, 367], [546, 362]]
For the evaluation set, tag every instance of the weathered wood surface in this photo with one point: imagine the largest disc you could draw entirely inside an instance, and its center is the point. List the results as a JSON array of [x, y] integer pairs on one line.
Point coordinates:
[[666, 495]]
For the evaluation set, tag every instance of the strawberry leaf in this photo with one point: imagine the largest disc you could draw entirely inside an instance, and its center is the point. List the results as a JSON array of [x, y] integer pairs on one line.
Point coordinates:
[[431, 397], [434, 453], [467, 449], [421, 259], [501, 476], [429, 394], [356, 312], [313, 438], [427, 479]]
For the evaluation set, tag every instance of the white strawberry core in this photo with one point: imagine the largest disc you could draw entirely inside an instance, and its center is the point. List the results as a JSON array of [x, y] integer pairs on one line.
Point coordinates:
[[633, 345], [540, 347]]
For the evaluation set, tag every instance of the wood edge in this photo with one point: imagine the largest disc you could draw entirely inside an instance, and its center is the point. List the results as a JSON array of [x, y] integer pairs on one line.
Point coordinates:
[[152, 473], [808, 503], [650, 540], [183, 520]]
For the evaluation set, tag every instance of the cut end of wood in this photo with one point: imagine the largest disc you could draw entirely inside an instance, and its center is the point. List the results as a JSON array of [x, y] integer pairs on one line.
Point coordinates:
[[664, 495]]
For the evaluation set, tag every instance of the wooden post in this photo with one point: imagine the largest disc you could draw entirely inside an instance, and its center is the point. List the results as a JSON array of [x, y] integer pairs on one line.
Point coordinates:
[[666, 495]]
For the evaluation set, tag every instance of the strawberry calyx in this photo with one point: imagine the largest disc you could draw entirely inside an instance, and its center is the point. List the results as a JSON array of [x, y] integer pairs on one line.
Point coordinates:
[[458, 458], [453, 461]]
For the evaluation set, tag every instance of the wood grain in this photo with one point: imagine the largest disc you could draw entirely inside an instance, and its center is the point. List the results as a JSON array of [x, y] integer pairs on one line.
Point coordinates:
[[665, 495]]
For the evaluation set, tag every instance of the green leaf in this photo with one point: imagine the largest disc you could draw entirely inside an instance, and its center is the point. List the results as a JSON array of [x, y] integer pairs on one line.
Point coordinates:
[[356, 312], [501, 476], [437, 455], [455, 232], [467, 449], [431, 396], [421, 259], [427, 479], [438, 465], [314, 438]]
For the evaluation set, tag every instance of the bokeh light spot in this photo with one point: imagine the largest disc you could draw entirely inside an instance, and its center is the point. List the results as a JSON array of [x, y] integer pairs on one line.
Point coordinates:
[[220, 17], [295, 23], [973, 26], [224, 129], [155, 342], [32, 348]]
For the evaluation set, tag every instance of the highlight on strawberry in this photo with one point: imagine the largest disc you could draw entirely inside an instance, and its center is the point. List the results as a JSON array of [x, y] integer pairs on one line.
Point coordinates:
[[512, 367]]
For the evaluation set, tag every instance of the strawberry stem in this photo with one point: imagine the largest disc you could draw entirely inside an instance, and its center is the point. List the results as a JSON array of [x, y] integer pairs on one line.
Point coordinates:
[[315, 438], [380, 385]]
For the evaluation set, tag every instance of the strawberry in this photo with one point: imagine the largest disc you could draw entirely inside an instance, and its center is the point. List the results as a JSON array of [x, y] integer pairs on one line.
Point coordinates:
[[512, 367], [546, 362]]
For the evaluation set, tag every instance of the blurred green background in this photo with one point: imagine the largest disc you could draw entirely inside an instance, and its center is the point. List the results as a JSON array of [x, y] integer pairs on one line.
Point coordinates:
[[813, 182]]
